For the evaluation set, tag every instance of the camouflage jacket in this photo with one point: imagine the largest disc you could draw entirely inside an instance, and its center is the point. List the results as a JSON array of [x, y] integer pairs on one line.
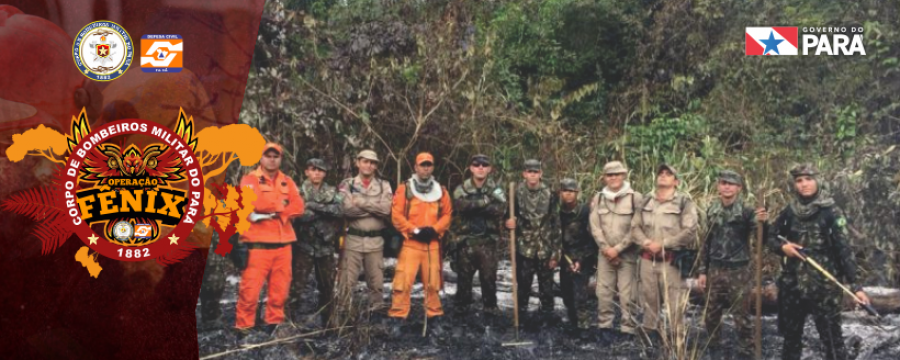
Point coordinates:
[[478, 212], [821, 228], [728, 237], [320, 226], [537, 222], [577, 242]]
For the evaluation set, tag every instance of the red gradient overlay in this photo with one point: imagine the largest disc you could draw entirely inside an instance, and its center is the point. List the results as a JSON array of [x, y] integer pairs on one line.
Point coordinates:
[[51, 308]]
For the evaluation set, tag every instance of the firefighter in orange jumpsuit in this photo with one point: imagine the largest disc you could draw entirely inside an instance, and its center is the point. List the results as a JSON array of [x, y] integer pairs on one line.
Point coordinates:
[[269, 241], [421, 212]]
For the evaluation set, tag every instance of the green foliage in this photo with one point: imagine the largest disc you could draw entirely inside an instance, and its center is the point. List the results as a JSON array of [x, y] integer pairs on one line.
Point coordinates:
[[668, 136], [574, 43], [577, 83]]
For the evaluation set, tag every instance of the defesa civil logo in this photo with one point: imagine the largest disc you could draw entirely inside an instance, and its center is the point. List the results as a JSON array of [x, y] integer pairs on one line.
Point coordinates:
[[783, 40], [102, 50], [162, 53]]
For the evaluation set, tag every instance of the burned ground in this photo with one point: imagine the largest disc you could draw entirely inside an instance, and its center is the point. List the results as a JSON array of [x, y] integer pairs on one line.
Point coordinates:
[[468, 337]]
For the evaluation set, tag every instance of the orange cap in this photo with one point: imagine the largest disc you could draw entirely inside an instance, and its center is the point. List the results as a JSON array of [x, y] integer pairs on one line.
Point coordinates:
[[423, 157], [273, 146]]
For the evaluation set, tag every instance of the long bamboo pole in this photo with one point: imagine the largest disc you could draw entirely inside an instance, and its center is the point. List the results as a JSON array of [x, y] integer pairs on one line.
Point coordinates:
[[757, 336], [512, 258]]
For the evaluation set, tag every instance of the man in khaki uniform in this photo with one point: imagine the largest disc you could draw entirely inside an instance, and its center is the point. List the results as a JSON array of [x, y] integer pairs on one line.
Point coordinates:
[[612, 211], [367, 208], [666, 222]]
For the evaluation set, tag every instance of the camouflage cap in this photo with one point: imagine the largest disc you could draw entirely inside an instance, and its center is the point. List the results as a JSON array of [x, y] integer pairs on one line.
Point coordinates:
[[368, 154], [568, 184], [532, 164], [614, 167], [480, 159], [667, 167], [806, 169], [731, 177], [317, 163]]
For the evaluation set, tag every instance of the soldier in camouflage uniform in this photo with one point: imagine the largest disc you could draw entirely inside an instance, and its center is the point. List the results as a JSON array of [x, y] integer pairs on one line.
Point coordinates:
[[814, 224], [317, 233], [479, 204], [725, 258], [580, 257], [537, 239]]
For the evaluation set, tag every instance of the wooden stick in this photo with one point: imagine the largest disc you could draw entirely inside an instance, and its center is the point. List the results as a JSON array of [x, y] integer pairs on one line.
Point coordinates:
[[512, 257], [267, 343], [521, 343], [757, 336], [815, 264]]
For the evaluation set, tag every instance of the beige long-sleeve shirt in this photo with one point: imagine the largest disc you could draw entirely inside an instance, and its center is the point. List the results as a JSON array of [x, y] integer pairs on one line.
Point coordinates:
[[611, 221], [366, 208], [673, 222]]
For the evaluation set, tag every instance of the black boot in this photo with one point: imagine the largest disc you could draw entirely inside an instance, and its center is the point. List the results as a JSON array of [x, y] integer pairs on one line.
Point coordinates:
[[395, 327], [550, 320], [650, 338], [586, 336], [210, 323], [573, 332], [241, 334], [436, 327], [269, 329]]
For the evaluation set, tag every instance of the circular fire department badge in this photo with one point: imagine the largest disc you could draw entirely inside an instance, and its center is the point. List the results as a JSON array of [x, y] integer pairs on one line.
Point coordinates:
[[102, 50]]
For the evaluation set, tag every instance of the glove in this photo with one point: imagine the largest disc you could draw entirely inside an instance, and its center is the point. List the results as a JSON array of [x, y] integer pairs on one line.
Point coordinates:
[[428, 233], [257, 217], [424, 235]]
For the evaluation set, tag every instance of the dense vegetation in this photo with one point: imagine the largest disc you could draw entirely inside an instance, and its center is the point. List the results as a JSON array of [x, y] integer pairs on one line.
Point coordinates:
[[577, 83]]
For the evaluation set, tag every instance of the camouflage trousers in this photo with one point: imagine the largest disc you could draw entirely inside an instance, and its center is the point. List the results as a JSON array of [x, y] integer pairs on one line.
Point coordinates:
[[526, 269], [574, 291], [728, 290], [213, 283], [304, 264], [468, 260], [825, 308]]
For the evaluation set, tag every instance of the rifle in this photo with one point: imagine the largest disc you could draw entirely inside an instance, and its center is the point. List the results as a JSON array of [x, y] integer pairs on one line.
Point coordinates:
[[815, 264]]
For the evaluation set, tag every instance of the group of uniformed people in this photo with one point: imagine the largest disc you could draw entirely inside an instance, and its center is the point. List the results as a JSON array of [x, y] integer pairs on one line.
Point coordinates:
[[639, 246]]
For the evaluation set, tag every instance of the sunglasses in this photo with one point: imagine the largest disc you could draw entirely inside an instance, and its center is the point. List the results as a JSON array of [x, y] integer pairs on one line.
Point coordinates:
[[532, 171], [426, 164], [480, 165]]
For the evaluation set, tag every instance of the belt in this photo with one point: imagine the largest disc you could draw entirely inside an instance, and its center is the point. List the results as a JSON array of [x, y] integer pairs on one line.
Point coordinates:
[[646, 255], [358, 232], [266, 246]]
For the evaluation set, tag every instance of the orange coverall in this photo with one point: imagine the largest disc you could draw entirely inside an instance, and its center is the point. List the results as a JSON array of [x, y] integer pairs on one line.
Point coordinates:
[[267, 259], [414, 255]]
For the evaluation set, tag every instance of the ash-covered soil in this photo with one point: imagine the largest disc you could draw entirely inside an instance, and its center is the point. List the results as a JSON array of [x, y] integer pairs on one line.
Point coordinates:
[[468, 336]]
